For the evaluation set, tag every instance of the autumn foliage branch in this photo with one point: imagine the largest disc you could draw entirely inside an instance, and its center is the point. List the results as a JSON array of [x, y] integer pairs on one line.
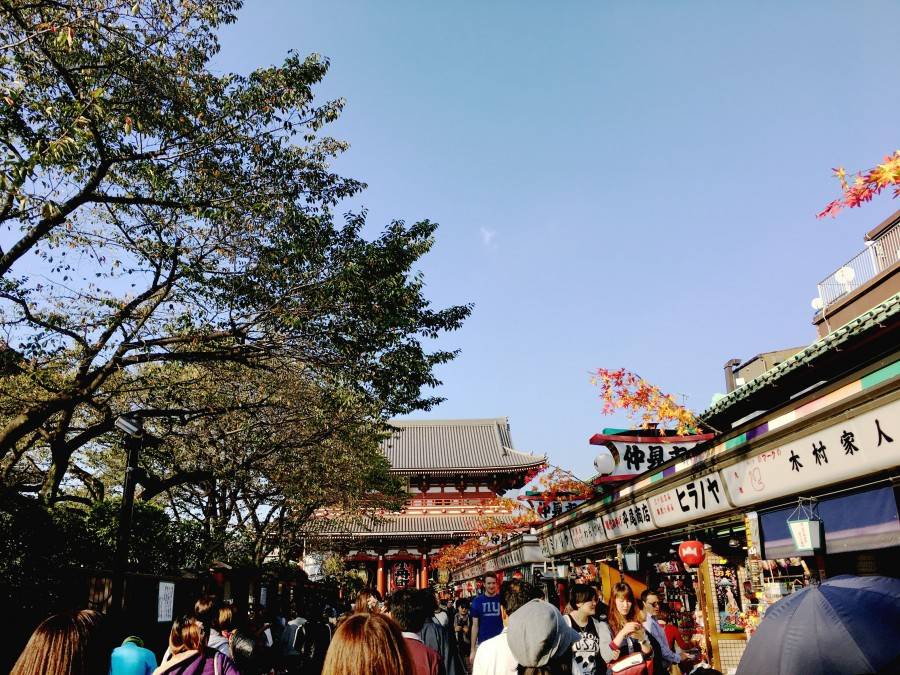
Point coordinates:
[[502, 517], [624, 390], [558, 484], [865, 185]]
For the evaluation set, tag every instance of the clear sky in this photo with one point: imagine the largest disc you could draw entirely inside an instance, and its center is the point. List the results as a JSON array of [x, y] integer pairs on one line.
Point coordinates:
[[617, 183]]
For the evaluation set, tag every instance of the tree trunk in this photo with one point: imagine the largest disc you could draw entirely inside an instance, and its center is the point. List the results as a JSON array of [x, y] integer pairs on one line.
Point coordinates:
[[26, 422]]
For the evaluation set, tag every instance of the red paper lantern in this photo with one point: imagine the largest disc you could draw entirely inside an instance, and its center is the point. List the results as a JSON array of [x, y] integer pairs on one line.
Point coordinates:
[[691, 552]]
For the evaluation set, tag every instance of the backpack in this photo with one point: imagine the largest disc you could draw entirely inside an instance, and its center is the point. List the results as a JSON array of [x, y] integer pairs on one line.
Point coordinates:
[[299, 638], [313, 644]]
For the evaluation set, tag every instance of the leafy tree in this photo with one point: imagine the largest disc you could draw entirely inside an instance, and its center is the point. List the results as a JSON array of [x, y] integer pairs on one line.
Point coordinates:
[[159, 215], [287, 447], [38, 573], [158, 543]]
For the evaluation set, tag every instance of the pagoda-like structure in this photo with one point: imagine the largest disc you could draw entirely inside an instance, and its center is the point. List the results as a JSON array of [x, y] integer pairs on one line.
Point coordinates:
[[456, 469]]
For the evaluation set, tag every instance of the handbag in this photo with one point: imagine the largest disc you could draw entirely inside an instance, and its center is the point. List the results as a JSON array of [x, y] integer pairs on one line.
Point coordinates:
[[633, 664]]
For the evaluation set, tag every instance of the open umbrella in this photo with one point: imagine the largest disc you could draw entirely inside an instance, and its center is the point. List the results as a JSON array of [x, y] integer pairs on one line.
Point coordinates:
[[847, 625]]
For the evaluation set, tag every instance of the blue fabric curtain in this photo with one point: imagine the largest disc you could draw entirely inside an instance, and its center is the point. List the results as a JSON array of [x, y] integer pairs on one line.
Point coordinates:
[[857, 521]]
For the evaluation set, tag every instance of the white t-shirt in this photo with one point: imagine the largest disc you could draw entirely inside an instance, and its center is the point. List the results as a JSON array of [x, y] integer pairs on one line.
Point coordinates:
[[493, 657]]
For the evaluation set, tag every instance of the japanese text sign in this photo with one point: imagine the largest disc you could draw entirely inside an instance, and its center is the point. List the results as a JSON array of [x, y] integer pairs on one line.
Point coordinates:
[[556, 543], [848, 449], [165, 601], [700, 497], [634, 458], [629, 519], [587, 534]]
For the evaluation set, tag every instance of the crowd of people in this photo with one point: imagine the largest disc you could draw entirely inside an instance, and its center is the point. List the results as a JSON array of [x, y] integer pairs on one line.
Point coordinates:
[[509, 629]]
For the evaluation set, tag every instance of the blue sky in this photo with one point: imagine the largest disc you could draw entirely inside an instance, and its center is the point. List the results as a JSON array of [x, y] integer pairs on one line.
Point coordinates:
[[618, 184]]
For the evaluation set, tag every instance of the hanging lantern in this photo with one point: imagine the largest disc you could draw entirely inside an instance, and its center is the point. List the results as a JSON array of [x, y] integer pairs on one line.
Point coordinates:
[[691, 552], [605, 463]]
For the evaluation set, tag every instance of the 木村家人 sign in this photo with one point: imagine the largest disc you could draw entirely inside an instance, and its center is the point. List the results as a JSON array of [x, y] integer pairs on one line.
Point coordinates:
[[845, 450]]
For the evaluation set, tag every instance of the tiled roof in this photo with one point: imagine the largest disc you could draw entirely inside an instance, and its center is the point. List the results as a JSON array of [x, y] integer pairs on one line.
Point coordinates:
[[406, 524], [875, 317], [454, 445]]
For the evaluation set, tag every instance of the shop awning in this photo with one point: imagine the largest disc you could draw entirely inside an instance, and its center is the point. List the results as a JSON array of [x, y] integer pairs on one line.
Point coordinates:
[[858, 521]]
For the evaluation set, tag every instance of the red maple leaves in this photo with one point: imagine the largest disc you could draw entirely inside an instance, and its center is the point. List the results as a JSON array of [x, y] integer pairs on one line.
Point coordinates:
[[865, 185], [624, 390]]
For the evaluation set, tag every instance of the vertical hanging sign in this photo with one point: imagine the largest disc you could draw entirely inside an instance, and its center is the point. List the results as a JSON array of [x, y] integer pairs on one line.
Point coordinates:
[[165, 601]]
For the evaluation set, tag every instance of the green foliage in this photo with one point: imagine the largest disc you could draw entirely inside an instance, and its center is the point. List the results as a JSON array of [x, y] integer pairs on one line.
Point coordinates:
[[334, 568], [158, 543], [48, 553], [182, 220]]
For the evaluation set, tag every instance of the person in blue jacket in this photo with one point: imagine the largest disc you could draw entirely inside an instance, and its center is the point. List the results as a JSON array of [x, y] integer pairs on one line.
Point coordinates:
[[132, 658]]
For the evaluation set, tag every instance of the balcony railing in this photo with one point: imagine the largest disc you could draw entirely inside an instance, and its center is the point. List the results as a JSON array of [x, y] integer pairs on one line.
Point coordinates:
[[881, 254]]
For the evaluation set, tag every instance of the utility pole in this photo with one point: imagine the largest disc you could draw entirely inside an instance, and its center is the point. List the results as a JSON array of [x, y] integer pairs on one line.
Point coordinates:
[[134, 439]]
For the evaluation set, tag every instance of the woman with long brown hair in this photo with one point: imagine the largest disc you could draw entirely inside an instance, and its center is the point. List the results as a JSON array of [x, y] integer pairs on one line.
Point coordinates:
[[189, 653], [368, 600], [623, 631], [71, 643], [368, 643]]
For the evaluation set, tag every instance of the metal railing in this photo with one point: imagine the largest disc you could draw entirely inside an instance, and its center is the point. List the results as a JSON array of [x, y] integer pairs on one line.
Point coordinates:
[[881, 254]]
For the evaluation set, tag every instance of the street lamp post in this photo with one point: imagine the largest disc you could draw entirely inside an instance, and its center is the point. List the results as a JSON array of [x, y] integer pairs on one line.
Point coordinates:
[[134, 437]]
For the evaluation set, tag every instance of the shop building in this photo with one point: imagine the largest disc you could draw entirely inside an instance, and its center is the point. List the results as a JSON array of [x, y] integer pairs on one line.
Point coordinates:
[[808, 448], [518, 557]]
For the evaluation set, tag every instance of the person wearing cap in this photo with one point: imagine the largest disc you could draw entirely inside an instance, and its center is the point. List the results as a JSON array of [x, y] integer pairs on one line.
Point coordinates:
[[540, 640], [132, 658], [493, 656]]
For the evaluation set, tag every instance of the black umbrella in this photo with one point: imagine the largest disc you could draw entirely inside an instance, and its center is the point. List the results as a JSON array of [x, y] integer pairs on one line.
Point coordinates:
[[845, 626]]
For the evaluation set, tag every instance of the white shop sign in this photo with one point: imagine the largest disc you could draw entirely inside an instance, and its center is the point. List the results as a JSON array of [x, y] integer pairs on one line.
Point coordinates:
[[509, 559], [556, 543], [627, 520], [587, 534], [471, 571], [165, 601], [700, 497], [855, 447], [634, 458]]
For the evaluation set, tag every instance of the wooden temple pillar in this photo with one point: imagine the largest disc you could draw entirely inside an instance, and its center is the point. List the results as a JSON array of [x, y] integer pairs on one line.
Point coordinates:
[[379, 576], [423, 573]]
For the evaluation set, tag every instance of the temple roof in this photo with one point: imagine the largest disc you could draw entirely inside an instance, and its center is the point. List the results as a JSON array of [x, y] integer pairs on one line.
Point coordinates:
[[402, 524], [444, 446]]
